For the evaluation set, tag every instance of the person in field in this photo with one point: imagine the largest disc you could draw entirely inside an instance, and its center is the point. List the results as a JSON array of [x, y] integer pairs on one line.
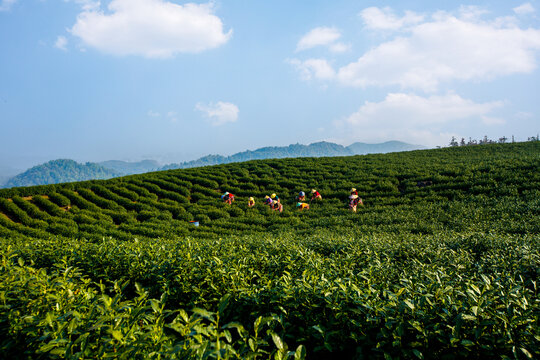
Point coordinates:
[[273, 204], [228, 198], [277, 206], [251, 202], [354, 192], [354, 201], [302, 206], [315, 195], [274, 197], [301, 196]]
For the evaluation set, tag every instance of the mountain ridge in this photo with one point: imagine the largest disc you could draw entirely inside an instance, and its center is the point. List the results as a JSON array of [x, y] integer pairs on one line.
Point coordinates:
[[65, 170], [316, 149], [60, 171]]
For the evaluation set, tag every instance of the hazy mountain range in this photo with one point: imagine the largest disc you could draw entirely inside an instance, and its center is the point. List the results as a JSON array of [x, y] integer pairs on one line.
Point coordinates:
[[63, 170]]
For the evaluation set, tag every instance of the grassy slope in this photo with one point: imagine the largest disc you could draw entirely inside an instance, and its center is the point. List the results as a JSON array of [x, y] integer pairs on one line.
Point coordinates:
[[443, 270]]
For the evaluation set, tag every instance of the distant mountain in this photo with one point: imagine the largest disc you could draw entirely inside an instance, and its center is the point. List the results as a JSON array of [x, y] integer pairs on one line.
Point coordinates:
[[317, 149], [6, 173], [359, 148], [129, 168], [60, 171]]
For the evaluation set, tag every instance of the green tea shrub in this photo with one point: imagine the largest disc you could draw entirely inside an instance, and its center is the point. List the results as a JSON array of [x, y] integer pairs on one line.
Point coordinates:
[[217, 214], [49, 207], [184, 216], [124, 191], [234, 211], [444, 270], [79, 201], [119, 217], [59, 199], [98, 200], [141, 191], [61, 229], [32, 210], [199, 182], [82, 218], [146, 215], [18, 215]]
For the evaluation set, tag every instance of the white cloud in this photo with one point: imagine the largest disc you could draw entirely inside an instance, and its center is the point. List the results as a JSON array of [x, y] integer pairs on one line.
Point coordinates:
[[384, 19], [422, 120], [172, 116], [87, 4], [153, 113], [467, 12], [413, 109], [220, 113], [61, 43], [5, 5], [523, 9], [490, 120], [443, 49], [313, 68], [339, 47], [150, 28], [320, 36]]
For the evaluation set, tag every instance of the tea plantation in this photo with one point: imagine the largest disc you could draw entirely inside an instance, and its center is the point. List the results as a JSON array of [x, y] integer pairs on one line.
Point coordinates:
[[441, 262]]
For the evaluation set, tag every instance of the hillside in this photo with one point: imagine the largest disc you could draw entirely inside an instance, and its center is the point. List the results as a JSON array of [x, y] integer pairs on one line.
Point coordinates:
[[318, 149], [60, 171], [359, 148], [129, 168], [442, 261]]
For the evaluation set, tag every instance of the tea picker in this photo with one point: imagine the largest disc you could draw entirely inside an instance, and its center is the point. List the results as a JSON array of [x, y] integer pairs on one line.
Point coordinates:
[[315, 195], [302, 206], [251, 202], [354, 200], [228, 198]]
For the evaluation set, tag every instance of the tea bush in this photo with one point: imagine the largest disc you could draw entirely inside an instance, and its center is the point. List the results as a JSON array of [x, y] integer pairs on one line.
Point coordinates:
[[441, 262]]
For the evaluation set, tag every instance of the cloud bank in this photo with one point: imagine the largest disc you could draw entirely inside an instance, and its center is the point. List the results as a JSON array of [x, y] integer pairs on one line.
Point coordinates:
[[375, 18], [446, 48], [429, 50], [5, 5], [523, 9], [149, 28], [219, 113], [322, 36], [61, 43], [416, 118]]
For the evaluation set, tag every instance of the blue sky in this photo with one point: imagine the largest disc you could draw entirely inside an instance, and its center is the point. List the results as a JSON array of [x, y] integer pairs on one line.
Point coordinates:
[[172, 80]]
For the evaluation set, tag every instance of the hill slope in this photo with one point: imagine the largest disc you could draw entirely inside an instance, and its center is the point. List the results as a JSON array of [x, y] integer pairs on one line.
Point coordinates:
[[442, 261], [129, 168], [318, 149], [60, 171], [359, 148]]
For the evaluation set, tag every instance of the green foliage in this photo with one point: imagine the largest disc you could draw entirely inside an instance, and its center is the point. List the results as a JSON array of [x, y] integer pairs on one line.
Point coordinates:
[[58, 171], [441, 261]]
